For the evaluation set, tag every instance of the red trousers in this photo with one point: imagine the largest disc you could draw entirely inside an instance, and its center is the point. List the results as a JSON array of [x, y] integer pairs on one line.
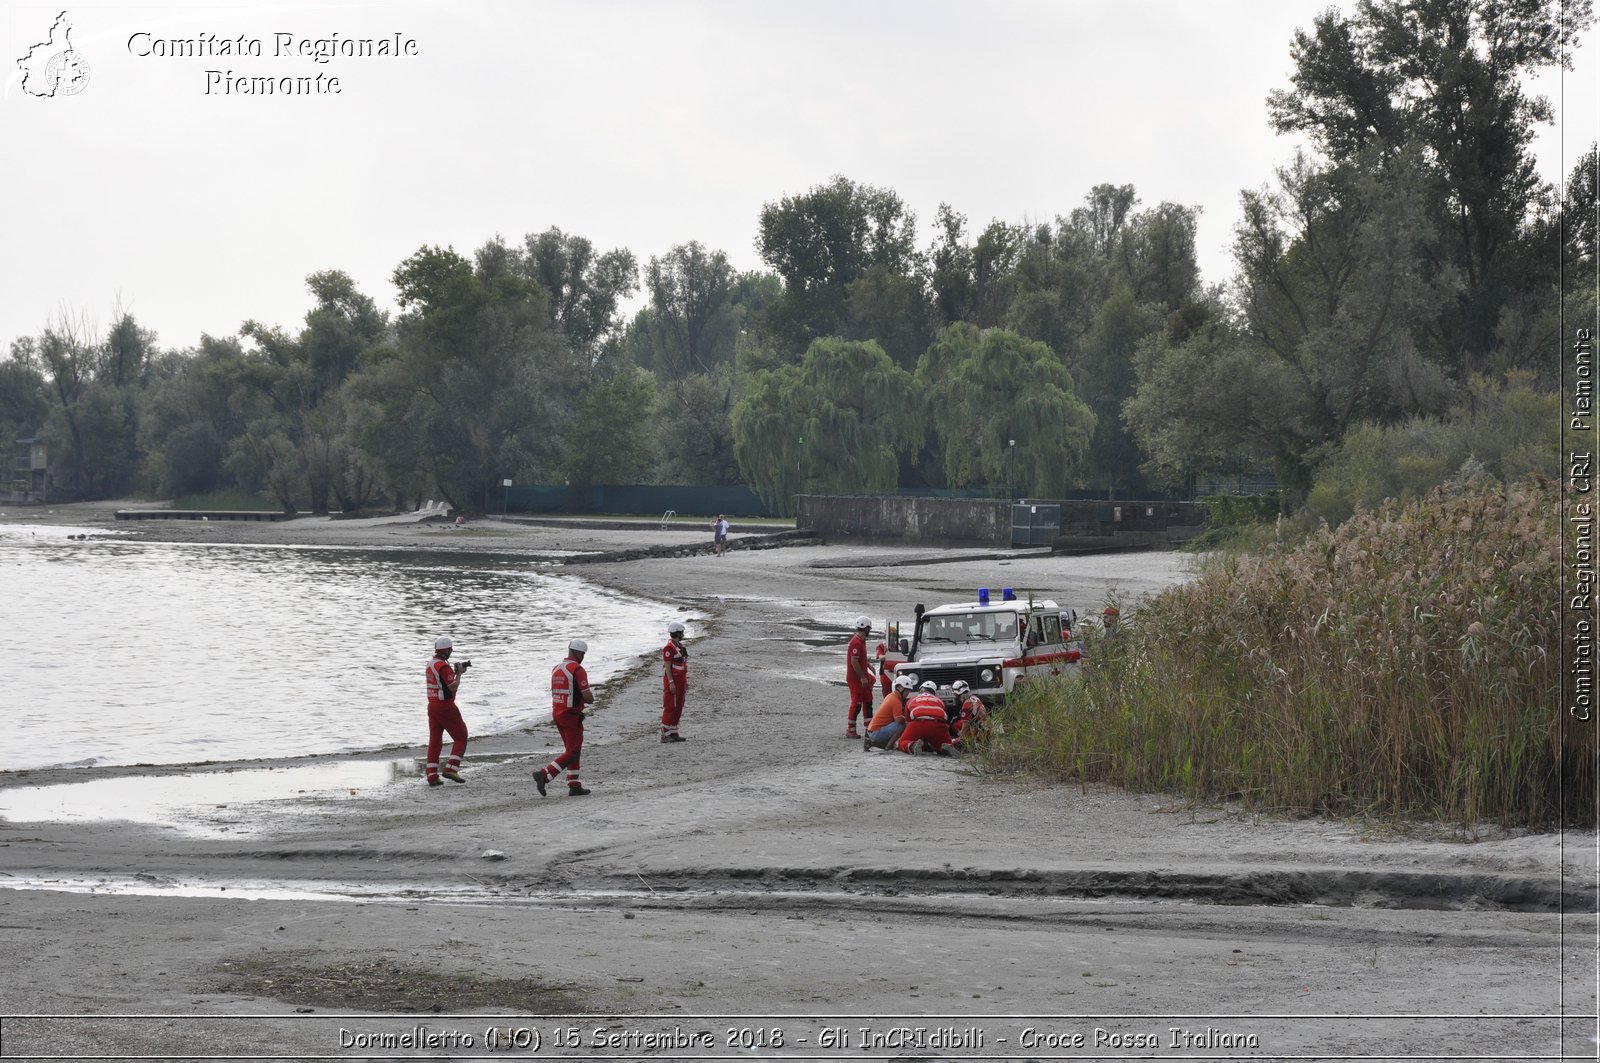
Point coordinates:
[[672, 704], [860, 701], [442, 718], [571, 728], [934, 733]]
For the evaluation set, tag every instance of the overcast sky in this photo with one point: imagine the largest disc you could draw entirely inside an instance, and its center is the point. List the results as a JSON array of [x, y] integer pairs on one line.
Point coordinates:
[[639, 124]]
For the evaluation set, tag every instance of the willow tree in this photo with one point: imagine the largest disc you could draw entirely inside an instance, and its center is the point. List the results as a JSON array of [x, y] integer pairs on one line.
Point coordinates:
[[1008, 413], [837, 422]]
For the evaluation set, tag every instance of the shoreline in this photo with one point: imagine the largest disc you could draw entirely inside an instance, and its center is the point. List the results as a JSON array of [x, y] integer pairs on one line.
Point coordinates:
[[768, 862]]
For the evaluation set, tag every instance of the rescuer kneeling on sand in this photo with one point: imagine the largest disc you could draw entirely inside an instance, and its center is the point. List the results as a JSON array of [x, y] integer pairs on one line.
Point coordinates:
[[890, 719], [971, 724], [928, 729]]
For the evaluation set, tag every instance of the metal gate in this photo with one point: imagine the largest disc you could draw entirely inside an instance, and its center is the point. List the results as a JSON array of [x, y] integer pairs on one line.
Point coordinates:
[[1034, 524]]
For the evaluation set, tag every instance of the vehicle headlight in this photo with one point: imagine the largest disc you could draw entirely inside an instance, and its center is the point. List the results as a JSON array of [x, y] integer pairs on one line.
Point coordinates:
[[987, 675], [911, 676]]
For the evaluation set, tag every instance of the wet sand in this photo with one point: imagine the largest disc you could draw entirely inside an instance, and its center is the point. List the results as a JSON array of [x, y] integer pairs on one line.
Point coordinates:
[[769, 866]]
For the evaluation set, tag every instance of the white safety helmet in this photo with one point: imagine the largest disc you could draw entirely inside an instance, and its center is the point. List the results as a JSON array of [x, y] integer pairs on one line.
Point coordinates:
[[443, 643], [960, 687], [675, 628], [863, 623], [929, 685], [578, 646], [903, 682]]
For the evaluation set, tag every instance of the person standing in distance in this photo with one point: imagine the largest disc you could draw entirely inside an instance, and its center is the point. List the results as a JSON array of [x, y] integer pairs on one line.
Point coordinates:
[[674, 682], [569, 695], [858, 676], [443, 680]]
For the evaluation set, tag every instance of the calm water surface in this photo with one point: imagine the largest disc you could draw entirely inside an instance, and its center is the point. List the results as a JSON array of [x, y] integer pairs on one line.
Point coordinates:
[[151, 653]]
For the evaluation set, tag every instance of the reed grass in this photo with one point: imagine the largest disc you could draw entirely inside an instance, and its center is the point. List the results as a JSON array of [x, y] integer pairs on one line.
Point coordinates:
[[1405, 665]]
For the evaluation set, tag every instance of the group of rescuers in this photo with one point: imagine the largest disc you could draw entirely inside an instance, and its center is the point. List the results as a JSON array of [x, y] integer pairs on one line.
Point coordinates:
[[913, 721]]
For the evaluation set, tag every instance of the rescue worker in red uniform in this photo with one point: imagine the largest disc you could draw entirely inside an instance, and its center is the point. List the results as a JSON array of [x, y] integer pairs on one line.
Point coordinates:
[[890, 719], [443, 715], [674, 682], [858, 676], [927, 726], [885, 673], [971, 725], [569, 694]]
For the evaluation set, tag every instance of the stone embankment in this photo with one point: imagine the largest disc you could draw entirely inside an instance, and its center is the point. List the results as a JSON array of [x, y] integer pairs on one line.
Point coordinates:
[[797, 537]]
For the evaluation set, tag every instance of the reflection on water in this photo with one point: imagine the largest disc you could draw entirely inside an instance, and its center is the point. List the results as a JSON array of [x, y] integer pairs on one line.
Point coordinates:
[[158, 653], [209, 802]]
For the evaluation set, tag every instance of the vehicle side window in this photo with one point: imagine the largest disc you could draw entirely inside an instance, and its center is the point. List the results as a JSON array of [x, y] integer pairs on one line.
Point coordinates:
[[1052, 629], [1035, 631]]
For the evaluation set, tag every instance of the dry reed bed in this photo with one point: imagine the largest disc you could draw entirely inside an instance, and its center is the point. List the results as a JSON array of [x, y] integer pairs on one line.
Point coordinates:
[[1403, 665]]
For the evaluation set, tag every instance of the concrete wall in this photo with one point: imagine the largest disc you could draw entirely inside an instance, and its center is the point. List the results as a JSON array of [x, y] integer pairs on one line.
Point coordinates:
[[937, 521]]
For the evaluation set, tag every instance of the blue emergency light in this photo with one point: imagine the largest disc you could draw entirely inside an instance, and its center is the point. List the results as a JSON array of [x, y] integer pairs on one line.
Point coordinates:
[[1008, 595], [983, 595]]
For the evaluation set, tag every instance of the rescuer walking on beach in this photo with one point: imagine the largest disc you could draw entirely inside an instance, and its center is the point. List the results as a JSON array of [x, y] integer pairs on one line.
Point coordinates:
[[569, 694], [443, 715], [674, 682], [858, 676]]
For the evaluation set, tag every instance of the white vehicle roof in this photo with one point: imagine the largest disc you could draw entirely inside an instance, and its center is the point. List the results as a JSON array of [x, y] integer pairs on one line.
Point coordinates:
[[1017, 606]]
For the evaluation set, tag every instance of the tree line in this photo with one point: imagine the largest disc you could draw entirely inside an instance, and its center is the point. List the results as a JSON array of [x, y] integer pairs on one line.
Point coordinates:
[[1393, 321]]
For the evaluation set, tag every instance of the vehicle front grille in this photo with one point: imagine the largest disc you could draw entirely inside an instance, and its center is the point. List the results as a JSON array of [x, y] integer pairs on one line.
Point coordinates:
[[945, 675]]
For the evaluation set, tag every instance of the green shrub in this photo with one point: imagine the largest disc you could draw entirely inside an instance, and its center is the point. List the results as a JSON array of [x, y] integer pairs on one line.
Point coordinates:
[[1234, 511], [1509, 430], [1405, 664]]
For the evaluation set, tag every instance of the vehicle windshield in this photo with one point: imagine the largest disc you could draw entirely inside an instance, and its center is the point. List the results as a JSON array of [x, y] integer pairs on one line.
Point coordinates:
[[968, 627]]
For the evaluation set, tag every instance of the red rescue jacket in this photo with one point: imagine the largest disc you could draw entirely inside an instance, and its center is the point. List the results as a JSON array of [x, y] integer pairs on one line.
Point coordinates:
[[567, 683], [926, 706], [440, 676]]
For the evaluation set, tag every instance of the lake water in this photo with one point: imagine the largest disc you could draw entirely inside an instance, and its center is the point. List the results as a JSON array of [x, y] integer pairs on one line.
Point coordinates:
[[150, 653]]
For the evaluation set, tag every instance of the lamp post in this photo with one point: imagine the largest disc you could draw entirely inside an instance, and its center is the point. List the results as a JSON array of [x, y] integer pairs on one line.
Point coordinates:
[[1011, 468]]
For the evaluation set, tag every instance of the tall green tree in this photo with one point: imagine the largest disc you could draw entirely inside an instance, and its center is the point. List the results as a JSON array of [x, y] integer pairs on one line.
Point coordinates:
[[583, 288], [839, 421], [691, 323], [891, 309], [1106, 378], [1008, 415], [823, 241], [608, 441], [92, 384], [1332, 290], [478, 386], [296, 441], [189, 422], [695, 428], [23, 403], [1448, 76]]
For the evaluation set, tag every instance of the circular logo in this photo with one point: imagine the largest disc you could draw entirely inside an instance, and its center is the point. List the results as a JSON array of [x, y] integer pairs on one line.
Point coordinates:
[[68, 72]]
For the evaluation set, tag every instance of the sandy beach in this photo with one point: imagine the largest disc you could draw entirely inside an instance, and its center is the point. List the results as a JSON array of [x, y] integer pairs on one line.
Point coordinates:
[[768, 881]]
